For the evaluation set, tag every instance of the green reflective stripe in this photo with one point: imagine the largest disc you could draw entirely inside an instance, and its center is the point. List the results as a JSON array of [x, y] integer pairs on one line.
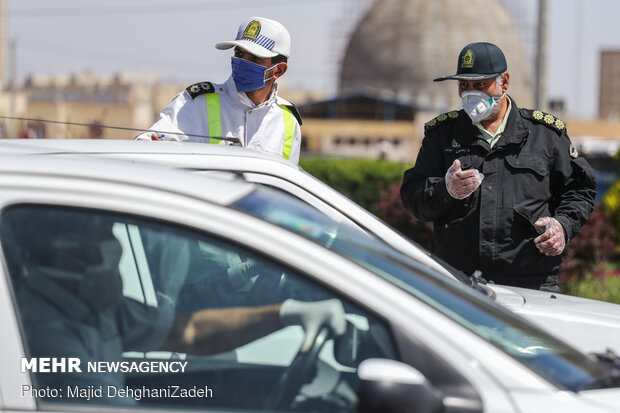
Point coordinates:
[[289, 131], [213, 117]]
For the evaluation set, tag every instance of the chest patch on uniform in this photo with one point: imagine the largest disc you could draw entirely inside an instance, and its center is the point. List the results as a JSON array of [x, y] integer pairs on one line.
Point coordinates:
[[572, 151], [200, 88]]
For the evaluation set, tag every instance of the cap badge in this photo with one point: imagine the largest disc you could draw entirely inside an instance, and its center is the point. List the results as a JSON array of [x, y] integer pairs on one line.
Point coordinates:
[[572, 151], [468, 60], [252, 30], [455, 144]]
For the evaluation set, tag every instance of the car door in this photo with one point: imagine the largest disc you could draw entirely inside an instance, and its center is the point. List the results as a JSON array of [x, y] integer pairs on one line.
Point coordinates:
[[104, 288]]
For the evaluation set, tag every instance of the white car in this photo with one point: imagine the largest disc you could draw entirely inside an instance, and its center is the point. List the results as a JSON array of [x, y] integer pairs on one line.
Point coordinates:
[[590, 325], [415, 340]]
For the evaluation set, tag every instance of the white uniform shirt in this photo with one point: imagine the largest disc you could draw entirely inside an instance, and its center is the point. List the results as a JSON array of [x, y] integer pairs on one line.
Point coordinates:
[[258, 127]]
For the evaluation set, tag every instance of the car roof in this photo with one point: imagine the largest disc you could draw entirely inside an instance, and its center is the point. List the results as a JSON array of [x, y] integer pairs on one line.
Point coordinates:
[[12, 167], [111, 146]]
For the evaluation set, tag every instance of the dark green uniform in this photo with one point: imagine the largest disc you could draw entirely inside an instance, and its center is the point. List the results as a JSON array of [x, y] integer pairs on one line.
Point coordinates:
[[533, 171]]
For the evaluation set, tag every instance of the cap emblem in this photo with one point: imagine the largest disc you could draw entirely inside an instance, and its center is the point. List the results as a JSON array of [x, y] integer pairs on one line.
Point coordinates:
[[252, 30], [468, 60]]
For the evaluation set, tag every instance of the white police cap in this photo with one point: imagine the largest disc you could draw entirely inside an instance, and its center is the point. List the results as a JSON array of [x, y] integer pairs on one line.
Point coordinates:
[[262, 37]]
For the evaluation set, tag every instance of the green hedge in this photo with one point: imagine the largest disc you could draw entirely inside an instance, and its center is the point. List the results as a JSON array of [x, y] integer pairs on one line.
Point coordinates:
[[362, 180], [597, 288]]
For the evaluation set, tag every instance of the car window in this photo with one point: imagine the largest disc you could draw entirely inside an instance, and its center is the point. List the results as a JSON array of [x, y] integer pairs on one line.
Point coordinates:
[[523, 341], [110, 294], [302, 194]]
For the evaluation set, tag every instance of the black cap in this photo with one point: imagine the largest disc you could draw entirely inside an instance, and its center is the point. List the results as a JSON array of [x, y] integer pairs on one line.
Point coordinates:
[[478, 61]]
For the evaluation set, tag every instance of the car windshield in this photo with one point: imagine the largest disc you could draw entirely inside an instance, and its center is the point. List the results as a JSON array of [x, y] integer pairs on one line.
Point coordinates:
[[559, 363]]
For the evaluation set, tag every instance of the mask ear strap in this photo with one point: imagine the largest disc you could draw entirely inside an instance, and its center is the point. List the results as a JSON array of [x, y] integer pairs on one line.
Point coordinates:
[[268, 69]]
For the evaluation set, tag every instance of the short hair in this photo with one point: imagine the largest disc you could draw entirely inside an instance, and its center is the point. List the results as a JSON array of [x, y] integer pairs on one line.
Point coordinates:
[[279, 59], [499, 79]]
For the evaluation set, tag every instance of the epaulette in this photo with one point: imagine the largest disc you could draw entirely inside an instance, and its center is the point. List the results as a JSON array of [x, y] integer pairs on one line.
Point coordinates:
[[295, 112], [200, 88], [546, 119], [442, 119]]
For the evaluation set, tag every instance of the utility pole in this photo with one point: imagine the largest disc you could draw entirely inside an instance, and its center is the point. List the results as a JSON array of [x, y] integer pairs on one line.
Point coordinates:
[[3, 44], [12, 129], [540, 73]]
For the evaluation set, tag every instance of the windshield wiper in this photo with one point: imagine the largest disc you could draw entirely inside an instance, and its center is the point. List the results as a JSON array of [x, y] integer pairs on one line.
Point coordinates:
[[611, 378]]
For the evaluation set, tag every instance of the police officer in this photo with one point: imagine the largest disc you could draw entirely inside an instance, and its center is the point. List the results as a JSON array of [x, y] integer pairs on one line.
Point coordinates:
[[504, 187], [247, 105]]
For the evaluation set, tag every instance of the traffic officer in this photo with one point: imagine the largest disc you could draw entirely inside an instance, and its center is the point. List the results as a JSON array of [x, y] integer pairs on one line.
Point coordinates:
[[246, 107], [504, 187]]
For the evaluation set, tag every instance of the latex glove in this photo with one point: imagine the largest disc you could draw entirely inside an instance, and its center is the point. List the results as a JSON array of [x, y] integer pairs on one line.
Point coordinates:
[[155, 137], [552, 241], [312, 316], [460, 183], [148, 137]]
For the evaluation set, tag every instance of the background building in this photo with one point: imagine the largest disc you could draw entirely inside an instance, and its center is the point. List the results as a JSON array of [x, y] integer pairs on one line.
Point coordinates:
[[609, 85], [400, 46], [387, 53], [393, 54]]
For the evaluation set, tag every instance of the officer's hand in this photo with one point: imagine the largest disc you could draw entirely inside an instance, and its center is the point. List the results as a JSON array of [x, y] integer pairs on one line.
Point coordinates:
[[460, 183], [312, 316], [145, 137], [552, 241]]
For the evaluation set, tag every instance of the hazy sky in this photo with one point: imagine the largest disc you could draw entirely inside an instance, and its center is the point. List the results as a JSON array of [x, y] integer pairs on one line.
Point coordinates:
[[174, 39]]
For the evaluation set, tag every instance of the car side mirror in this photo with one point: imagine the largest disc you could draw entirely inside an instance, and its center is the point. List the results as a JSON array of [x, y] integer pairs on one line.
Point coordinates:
[[389, 386]]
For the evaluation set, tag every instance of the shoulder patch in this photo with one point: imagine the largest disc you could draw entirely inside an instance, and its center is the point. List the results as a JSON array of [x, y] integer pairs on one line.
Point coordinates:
[[572, 151], [200, 88], [546, 119], [295, 112], [441, 119]]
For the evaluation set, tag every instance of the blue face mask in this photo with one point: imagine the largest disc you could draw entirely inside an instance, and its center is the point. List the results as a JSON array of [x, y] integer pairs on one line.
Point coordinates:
[[248, 76]]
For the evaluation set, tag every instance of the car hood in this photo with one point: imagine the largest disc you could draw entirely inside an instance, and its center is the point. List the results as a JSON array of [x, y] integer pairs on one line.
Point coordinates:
[[590, 325], [609, 398]]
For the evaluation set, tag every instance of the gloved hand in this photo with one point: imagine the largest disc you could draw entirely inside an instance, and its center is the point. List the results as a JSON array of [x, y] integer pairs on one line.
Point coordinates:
[[552, 241], [146, 136], [312, 316], [460, 183]]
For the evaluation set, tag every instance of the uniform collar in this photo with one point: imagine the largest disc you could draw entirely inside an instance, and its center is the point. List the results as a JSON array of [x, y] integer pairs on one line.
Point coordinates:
[[243, 99], [515, 130], [468, 134], [500, 130]]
